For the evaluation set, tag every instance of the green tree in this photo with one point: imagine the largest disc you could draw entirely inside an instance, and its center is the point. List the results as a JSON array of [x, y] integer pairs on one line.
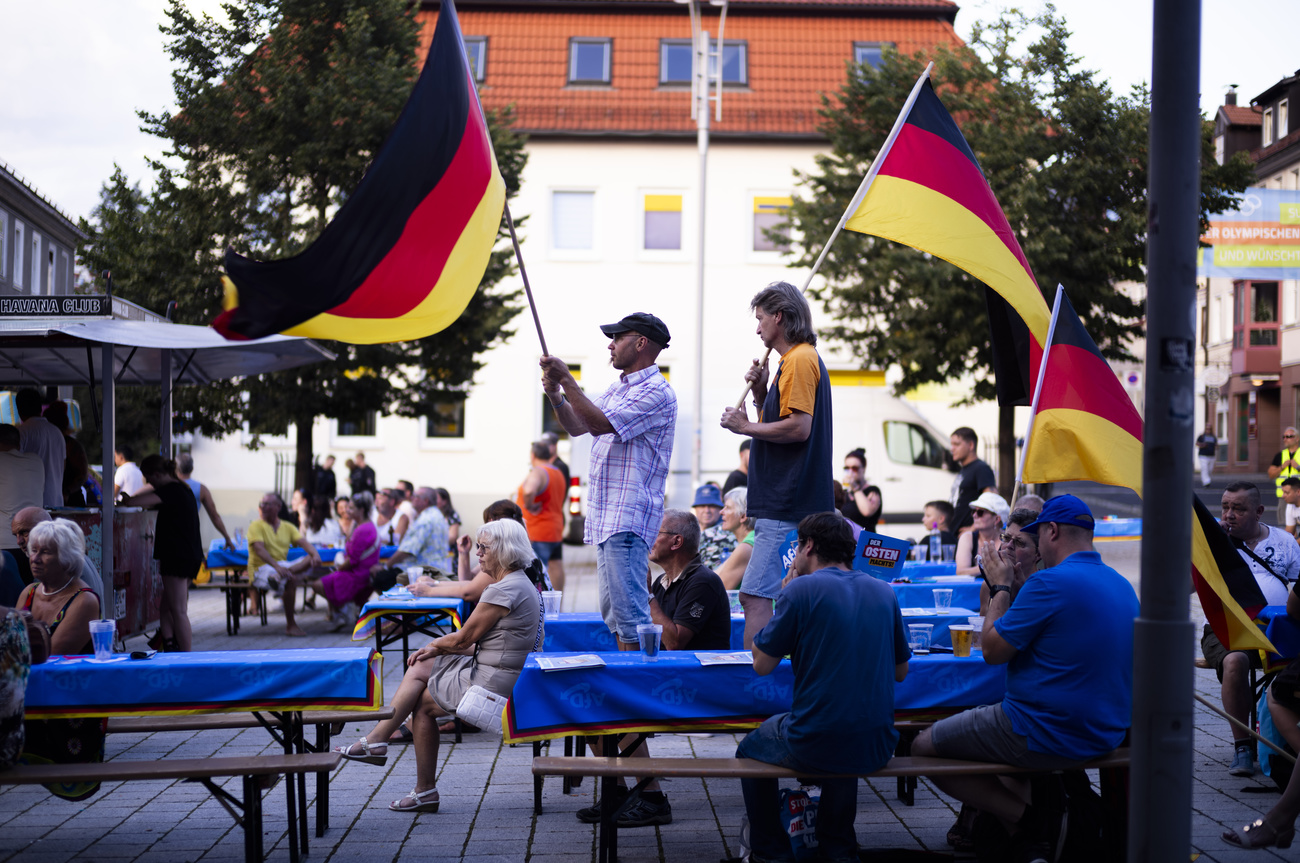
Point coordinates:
[[280, 110], [1067, 160]]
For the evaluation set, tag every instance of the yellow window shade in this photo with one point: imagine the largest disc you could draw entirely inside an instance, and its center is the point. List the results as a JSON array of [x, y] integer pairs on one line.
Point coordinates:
[[663, 203], [771, 205]]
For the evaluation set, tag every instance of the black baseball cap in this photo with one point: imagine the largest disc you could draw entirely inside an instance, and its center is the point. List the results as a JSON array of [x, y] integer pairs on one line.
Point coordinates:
[[640, 322]]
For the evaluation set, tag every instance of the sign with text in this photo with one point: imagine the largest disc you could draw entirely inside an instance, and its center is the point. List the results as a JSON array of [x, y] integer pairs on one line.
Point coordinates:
[[54, 307], [1260, 239], [881, 556]]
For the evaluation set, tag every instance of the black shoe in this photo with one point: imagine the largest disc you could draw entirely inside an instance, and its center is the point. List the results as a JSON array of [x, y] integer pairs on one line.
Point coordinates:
[[591, 814], [645, 813]]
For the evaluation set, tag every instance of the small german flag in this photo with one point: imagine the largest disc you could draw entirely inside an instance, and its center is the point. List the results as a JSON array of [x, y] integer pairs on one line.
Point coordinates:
[[405, 253]]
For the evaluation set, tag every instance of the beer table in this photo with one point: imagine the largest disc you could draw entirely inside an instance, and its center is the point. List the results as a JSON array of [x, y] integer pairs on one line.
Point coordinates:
[[586, 632], [428, 615], [220, 557], [283, 683], [920, 593]]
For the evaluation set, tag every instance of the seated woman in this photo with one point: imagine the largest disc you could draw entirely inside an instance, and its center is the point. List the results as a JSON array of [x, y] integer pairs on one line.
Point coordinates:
[[735, 520], [349, 584], [488, 651], [989, 512], [346, 523], [321, 530], [63, 602], [1018, 548]]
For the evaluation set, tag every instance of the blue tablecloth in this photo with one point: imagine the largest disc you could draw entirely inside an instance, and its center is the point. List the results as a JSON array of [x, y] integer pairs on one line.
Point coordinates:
[[219, 555], [918, 569], [586, 632], [220, 681], [381, 606], [676, 693], [964, 594], [1284, 633]]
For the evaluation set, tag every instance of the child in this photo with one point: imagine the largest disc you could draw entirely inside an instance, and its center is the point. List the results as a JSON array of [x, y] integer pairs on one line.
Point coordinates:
[[936, 515]]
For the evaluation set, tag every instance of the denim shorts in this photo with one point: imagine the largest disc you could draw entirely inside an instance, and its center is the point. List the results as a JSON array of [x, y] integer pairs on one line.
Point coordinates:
[[765, 571], [985, 734], [622, 564], [547, 551]]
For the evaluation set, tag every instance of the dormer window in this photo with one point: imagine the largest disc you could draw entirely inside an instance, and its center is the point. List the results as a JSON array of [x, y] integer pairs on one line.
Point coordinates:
[[589, 60], [1282, 124], [1268, 127]]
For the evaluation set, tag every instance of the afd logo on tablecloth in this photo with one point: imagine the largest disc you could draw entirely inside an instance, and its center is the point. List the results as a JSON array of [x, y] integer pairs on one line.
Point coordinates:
[[256, 675], [671, 692], [767, 689], [583, 696], [881, 556]]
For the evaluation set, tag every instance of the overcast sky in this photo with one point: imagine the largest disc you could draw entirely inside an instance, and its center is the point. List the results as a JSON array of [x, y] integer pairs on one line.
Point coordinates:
[[77, 71]]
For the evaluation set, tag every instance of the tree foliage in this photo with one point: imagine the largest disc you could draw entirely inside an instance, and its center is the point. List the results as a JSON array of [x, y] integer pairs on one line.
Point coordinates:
[[279, 112], [1066, 158]]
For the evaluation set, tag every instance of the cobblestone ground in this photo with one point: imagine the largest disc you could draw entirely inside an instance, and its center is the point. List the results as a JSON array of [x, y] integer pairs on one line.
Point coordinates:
[[486, 790]]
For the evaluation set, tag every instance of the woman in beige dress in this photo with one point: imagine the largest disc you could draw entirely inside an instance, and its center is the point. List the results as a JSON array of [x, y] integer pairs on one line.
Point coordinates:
[[488, 651]]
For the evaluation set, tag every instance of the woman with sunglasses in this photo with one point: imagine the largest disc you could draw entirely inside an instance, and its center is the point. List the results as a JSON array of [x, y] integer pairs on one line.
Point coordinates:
[[863, 503], [989, 514]]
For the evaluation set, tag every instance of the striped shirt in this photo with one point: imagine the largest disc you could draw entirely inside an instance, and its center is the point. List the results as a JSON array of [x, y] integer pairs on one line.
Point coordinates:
[[629, 468]]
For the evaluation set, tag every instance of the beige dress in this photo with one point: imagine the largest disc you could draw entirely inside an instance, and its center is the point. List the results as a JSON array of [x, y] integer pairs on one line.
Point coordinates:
[[499, 655]]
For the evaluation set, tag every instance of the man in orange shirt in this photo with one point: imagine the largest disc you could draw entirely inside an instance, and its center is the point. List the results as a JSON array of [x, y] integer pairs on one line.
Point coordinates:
[[541, 497]]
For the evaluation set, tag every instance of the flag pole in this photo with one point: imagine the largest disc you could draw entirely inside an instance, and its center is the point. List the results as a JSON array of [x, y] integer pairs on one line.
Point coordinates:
[[863, 187], [1038, 391], [519, 256]]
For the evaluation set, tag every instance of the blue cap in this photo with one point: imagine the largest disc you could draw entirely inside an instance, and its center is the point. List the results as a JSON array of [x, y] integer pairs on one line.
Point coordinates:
[[708, 495], [1063, 509]]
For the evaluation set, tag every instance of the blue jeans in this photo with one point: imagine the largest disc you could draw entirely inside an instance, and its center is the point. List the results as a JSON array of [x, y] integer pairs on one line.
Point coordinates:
[[836, 839], [622, 564], [764, 572]]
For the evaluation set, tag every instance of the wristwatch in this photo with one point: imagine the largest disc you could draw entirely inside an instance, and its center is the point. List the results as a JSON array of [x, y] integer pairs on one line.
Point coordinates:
[[995, 589]]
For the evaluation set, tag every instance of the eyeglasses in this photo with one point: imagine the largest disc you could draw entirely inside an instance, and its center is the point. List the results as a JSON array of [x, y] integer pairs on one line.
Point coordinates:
[[975, 512], [851, 468], [1019, 540], [1285, 436], [481, 547]]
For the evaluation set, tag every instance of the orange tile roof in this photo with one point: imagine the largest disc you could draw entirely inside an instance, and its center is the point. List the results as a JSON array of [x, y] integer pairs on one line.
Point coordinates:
[[793, 58], [1240, 115]]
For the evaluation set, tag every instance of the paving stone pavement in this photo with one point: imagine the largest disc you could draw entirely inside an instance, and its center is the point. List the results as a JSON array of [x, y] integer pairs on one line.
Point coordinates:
[[486, 789]]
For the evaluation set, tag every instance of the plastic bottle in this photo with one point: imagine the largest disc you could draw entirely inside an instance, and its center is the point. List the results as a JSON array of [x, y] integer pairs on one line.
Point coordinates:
[[936, 548]]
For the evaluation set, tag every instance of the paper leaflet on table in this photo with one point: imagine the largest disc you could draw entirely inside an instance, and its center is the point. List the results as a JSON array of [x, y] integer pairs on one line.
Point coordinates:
[[880, 555], [560, 663], [739, 657]]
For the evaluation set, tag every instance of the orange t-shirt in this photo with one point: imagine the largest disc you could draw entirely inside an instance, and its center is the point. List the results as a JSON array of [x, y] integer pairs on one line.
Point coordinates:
[[798, 384], [547, 525]]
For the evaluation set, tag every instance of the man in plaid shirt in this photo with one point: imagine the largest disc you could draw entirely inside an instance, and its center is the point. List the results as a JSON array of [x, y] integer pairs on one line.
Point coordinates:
[[633, 424]]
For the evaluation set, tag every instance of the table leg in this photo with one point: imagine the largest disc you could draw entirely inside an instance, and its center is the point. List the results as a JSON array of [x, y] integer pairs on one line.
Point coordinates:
[[290, 792], [252, 821], [537, 781], [406, 642], [566, 784], [300, 745], [322, 781]]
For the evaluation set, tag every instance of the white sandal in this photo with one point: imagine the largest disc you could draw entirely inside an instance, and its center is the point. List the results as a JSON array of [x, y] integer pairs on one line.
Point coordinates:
[[368, 755], [421, 801]]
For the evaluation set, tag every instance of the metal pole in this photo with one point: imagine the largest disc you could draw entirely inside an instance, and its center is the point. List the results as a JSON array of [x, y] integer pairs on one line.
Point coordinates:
[[107, 504], [165, 412], [1160, 807], [702, 142]]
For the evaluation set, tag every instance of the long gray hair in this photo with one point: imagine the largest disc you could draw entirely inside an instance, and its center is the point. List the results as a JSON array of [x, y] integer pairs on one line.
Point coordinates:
[[789, 301]]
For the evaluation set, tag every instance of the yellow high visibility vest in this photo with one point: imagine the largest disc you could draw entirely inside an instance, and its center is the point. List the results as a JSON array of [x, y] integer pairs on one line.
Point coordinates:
[[1286, 471]]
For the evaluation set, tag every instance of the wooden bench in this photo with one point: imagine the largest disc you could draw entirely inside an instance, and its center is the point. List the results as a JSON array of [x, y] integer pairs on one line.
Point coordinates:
[[234, 587], [327, 722], [610, 770], [247, 811]]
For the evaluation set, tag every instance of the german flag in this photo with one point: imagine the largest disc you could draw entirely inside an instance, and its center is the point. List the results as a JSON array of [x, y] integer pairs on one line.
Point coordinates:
[[929, 193], [1230, 596], [405, 253]]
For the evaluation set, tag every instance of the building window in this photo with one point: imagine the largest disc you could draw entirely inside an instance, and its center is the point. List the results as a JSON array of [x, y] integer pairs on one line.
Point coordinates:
[[675, 56], [476, 50], [20, 245], [51, 284], [36, 262], [1243, 428], [447, 419], [573, 220], [1221, 432], [770, 220], [1282, 119], [65, 272], [361, 424], [4, 246], [869, 53], [589, 61], [663, 221], [1267, 126]]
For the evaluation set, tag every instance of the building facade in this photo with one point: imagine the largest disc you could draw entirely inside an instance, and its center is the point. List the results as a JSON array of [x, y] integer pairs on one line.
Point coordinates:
[[38, 243]]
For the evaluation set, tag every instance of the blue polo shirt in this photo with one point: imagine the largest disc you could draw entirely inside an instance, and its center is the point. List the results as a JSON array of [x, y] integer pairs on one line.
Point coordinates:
[[844, 634], [1070, 685]]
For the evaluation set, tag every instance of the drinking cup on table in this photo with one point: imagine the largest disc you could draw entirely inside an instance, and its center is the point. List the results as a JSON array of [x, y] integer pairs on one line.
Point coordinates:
[[943, 598], [649, 634], [733, 600], [918, 637], [977, 624], [101, 635], [551, 602], [950, 554], [962, 636], [918, 553]]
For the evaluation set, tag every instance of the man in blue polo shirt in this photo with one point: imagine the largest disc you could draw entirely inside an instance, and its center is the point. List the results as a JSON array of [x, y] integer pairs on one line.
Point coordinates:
[[1068, 647], [844, 634]]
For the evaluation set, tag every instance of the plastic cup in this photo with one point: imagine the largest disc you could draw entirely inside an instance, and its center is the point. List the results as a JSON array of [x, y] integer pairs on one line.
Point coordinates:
[[649, 634], [918, 553], [101, 635], [962, 636], [551, 602], [943, 598], [950, 554], [733, 600], [918, 637], [977, 624]]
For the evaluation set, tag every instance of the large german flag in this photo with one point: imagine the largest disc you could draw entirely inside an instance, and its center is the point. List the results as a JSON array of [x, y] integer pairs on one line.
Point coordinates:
[[403, 256], [930, 193]]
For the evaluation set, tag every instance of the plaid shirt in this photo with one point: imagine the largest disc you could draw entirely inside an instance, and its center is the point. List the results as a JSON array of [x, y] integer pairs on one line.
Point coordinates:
[[629, 468], [426, 540]]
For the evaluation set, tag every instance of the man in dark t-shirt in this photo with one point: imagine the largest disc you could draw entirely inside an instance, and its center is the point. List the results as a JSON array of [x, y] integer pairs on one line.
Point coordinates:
[[976, 477], [739, 478], [688, 600]]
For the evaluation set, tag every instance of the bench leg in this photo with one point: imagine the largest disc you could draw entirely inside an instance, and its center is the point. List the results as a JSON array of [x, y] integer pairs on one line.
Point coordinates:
[[322, 782], [567, 783], [537, 781], [253, 852], [906, 785]]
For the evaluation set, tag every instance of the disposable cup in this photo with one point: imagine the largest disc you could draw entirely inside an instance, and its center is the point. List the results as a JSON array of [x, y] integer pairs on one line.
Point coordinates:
[[943, 598], [551, 602], [918, 552], [649, 634], [962, 636], [949, 554], [733, 600], [977, 624], [101, 635], [918, 636]]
